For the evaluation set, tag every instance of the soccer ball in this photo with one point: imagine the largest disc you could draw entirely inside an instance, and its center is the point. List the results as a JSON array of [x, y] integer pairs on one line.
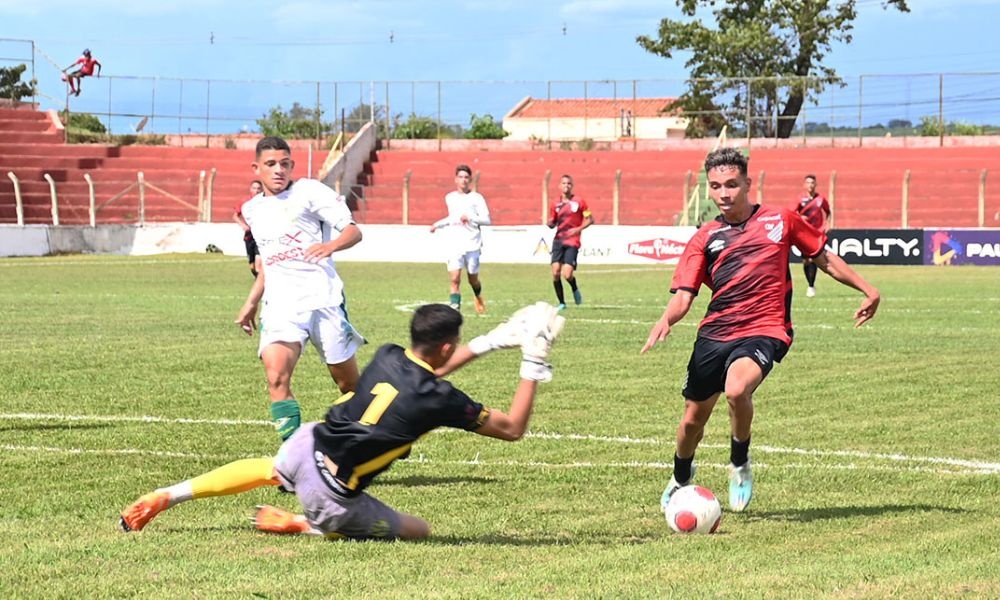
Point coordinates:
[[693, 509]]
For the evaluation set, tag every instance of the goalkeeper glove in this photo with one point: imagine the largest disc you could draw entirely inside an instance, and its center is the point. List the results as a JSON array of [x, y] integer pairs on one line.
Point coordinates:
[[509, 334]]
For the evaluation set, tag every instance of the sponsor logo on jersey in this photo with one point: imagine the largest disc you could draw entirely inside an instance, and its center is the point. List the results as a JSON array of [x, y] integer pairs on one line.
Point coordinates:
[[776, 232], [716, 246]]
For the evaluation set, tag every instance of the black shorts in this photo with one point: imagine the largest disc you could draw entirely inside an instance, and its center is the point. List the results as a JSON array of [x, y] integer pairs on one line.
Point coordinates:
[[564, 254], [251, 245], [710, 360]]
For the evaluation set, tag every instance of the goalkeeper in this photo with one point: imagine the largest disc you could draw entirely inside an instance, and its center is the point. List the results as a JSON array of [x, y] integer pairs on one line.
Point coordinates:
[[398, 399]]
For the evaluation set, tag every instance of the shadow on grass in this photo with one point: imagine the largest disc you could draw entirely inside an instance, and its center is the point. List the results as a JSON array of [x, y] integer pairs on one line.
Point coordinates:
[[61, 426], [843, 512], [419, 480], [496, 539], [487, 539]]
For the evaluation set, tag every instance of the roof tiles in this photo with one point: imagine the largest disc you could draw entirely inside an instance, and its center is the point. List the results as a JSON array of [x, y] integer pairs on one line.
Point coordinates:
[[536, 108]]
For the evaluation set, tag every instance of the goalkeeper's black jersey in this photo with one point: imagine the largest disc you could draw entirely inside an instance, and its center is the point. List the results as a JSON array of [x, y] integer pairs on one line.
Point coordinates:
[[397, 400]]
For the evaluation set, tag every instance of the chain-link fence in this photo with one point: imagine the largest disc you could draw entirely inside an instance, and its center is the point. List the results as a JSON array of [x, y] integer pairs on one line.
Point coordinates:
[[865, 106]]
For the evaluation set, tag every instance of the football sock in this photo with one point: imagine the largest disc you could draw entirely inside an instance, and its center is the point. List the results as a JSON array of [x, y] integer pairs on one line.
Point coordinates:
[[238, 476], [682, 468], [455, 299], [572, 283], [739, 452], [557, 284], [286, 416], [233, 478], [477, 289], [810, 270]]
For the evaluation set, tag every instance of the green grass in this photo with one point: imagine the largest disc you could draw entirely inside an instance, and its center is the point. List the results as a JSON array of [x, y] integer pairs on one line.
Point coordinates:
[[569, 512]]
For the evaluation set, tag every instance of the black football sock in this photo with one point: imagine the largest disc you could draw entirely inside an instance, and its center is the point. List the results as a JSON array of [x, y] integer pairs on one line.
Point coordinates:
[[810, 270], [557, 284], [682, 468], [739, 452]]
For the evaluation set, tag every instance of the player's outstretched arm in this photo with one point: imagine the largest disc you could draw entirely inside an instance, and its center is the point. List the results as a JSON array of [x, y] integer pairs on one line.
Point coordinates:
[[542, 325], [523, 325], [835, 267], [679, 305], [512, 426]]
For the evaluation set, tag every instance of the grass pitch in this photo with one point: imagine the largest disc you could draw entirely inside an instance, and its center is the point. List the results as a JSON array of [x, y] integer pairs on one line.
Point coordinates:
[[876, 450]]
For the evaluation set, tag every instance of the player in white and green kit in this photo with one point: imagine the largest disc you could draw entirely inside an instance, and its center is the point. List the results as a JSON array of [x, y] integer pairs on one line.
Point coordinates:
[[298, 225], [467, 213]]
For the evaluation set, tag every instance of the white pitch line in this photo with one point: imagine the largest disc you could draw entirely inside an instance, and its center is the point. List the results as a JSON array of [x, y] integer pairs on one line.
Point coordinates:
[[978, 466], [120, 452], [127, 419], [477, 462], [108, 263]]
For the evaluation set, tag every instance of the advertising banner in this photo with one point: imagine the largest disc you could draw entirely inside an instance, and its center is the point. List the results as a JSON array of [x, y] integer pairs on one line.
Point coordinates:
[[876, 246], [962, 247], [529, 244]]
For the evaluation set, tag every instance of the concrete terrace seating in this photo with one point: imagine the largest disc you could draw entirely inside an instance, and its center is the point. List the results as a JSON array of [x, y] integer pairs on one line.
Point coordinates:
[[944, 183], [33, 146]]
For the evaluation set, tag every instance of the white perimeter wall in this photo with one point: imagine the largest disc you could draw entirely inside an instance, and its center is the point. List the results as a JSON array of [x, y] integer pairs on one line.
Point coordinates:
[[602, 244]]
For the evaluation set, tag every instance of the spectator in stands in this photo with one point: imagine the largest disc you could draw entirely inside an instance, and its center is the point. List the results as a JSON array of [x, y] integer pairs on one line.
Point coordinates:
[[253, 255], [467, 213], [814, 208], [570, 216], [303, 296], [87, 64], [742, 256]]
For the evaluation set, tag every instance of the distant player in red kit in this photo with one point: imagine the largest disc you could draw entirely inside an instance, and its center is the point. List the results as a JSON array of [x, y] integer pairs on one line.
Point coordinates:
[[87, 64], [742, 256], [570, 216], [814, 208], [253, 254]]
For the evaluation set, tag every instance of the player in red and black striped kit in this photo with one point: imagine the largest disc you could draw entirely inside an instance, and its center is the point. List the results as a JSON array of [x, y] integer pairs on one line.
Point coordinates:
[[742, 256], [570, 216], [814, 208]]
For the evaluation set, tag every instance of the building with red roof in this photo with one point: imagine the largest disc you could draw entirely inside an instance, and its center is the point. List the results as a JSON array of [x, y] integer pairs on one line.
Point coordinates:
[[598, 119]]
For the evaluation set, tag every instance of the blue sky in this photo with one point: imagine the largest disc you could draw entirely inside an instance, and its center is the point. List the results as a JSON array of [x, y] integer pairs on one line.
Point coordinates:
[[450, 40]]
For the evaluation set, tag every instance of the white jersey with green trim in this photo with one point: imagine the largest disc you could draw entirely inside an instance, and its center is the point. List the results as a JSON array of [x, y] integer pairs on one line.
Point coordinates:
[[465, 237], [284, 226]]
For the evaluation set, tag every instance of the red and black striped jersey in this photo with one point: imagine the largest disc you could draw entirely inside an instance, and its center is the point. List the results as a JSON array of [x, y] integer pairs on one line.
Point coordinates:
[[568, 214], [398, 399], [746, 267], [814, 209]]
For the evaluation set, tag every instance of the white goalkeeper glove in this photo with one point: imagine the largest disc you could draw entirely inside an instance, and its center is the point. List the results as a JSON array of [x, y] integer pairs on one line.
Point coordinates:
[[542, 326], [509, 334]]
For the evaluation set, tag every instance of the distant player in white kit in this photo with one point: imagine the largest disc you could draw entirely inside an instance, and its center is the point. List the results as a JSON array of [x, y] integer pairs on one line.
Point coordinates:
[[298, 225], [467, 212]]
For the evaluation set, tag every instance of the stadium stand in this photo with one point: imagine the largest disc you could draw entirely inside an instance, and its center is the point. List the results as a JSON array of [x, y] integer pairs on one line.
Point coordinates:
[[944, 183]]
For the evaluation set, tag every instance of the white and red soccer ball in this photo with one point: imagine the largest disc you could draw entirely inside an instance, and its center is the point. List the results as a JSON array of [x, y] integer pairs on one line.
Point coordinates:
[[694, 509]]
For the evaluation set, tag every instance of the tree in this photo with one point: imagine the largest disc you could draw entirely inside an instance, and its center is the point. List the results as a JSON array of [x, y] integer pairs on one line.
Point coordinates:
[[782, 40], [417, 127], [356, 118], [82, 121], [298, 122], [11, 85], [485, 128]]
